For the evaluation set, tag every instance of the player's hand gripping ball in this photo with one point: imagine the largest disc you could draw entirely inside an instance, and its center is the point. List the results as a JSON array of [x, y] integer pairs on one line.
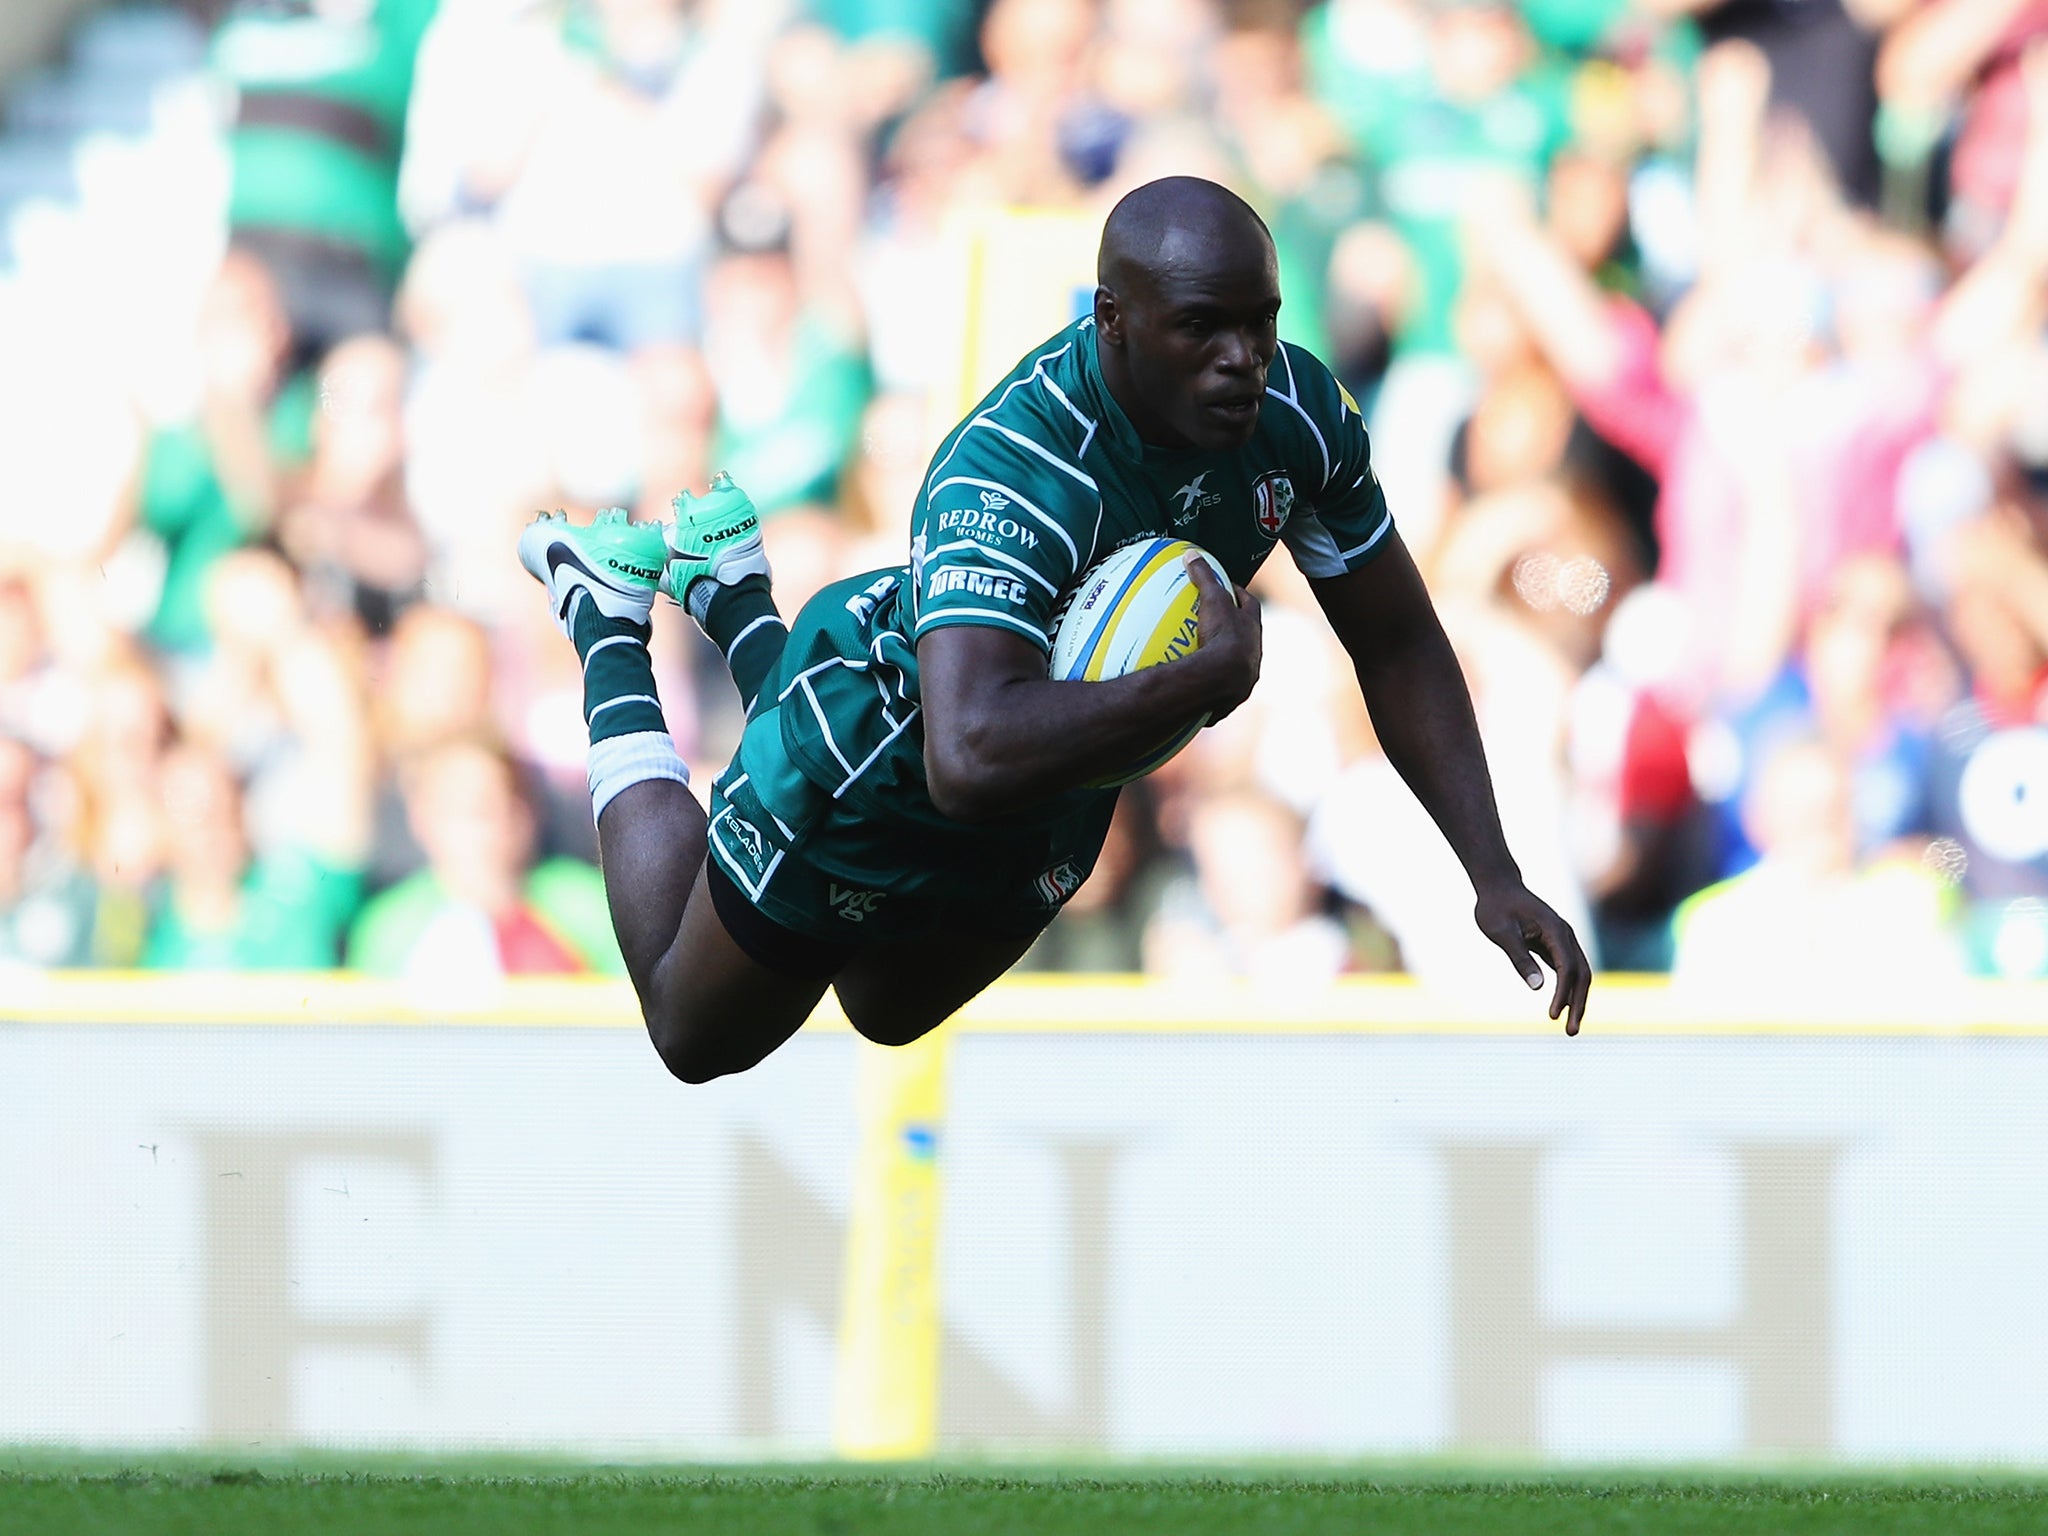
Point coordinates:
[[1136, 609]]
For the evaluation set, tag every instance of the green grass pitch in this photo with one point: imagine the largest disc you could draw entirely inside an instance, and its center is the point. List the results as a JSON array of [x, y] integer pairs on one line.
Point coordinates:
[[193, 1496]]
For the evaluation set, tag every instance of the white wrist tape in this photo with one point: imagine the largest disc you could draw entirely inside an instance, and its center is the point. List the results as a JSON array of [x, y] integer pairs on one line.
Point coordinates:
[[620, 762]]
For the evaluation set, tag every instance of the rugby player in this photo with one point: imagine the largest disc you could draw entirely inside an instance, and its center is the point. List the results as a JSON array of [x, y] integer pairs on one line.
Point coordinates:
[[905, 811]]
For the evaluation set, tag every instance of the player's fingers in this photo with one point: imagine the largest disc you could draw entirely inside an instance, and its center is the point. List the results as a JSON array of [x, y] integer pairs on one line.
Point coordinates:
[[1574, 972], [1513, 945]]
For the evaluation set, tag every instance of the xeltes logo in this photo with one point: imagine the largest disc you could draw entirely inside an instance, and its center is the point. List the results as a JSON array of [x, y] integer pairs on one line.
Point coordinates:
[[1193, 498]]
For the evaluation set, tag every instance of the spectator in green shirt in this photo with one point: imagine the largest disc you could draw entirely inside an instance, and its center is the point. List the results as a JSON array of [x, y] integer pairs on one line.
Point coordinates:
[[315, 150], [266, 880], [225, 907], [1478, 105], [481, 907], [211, 483], [791, 385]]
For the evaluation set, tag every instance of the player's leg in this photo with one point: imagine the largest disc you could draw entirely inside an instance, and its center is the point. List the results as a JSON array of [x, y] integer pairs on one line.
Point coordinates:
[[709, 1008], [899, 992]]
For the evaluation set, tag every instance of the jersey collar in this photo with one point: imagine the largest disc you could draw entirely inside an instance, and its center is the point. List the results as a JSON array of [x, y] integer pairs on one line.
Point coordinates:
[[1115, 425]]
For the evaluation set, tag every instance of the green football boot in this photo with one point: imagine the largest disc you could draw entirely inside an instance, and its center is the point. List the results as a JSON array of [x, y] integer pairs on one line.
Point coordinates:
[[614, 561], [716, 535]]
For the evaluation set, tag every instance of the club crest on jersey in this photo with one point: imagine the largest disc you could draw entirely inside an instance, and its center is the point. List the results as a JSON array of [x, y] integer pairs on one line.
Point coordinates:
[[1273, 503], [1058, 883]]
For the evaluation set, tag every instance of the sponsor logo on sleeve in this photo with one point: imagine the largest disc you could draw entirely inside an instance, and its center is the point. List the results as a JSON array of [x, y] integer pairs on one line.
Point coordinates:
[[985, 524], [977, 582], [1272, 503]]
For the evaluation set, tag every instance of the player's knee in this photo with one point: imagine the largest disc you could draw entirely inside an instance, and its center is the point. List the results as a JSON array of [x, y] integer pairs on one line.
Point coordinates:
[[887, 1026], [690, 1055]]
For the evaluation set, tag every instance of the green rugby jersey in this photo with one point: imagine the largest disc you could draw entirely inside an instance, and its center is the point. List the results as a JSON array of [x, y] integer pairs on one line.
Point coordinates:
[[1042, 480]]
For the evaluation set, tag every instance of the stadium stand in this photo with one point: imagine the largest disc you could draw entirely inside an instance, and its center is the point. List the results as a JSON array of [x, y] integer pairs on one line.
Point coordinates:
[[1732, 487]]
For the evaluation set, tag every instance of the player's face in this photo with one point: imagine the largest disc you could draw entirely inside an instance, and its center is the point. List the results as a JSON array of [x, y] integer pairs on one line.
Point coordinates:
[[1195, 346]]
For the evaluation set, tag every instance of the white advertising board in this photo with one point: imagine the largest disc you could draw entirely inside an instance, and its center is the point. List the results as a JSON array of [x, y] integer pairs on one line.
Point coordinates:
[[1151, 1243]]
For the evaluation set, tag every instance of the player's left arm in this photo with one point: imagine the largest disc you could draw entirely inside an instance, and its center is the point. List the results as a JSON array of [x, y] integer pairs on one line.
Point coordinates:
[[1422, 712], [1342, 537]]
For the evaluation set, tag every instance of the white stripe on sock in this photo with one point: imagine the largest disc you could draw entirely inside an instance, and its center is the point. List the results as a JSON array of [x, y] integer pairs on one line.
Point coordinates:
[[624, 698], [739, 639], [608, 640]]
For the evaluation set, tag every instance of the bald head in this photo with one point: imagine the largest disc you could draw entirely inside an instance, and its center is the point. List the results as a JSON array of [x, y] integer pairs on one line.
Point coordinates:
[[1187, 298], [1174, 224]]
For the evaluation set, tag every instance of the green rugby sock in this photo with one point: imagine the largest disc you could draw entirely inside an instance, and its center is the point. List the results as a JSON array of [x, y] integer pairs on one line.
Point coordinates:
[[618, 674], [743, 622]]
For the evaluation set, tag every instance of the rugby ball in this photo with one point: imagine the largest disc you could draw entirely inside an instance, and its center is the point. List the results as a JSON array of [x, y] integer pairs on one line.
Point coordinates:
[[1136, 609]]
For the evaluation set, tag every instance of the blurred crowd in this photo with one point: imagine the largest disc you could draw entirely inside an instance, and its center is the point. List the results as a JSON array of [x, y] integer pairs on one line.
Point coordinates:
[[1704, 344]]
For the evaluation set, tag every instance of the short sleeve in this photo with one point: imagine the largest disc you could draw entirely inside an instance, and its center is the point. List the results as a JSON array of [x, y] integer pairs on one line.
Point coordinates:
[[986, 549], [1346, 521]]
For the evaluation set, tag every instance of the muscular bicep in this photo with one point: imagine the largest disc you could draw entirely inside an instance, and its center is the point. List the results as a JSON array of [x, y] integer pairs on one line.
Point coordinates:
[[961, 668]]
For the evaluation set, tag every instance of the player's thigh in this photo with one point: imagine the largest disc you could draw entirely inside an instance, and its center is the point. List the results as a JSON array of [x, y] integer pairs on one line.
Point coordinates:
[[894, 993], [714, 1009]]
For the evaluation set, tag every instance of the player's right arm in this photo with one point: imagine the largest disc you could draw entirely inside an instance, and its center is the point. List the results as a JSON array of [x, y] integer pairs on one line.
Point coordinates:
[[1000, 735]]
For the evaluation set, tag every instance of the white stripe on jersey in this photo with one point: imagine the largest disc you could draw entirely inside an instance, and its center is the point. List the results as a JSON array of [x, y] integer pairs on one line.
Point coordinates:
[[869, 761], [991, 554], [1037, 365], [810, 672], [1088, 423], [883, 689], [1087, 437], [875, 650], [982, 616], [993, 485], [1026, 443], [825, 725], [1378, 534], [1329, 472]]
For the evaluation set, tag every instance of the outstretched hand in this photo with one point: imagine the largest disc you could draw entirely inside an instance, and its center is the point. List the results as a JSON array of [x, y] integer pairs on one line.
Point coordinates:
[[1525, 927]]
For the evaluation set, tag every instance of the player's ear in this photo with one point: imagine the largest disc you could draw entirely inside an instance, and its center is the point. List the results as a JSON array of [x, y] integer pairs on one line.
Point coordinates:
[[1109, 320]]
